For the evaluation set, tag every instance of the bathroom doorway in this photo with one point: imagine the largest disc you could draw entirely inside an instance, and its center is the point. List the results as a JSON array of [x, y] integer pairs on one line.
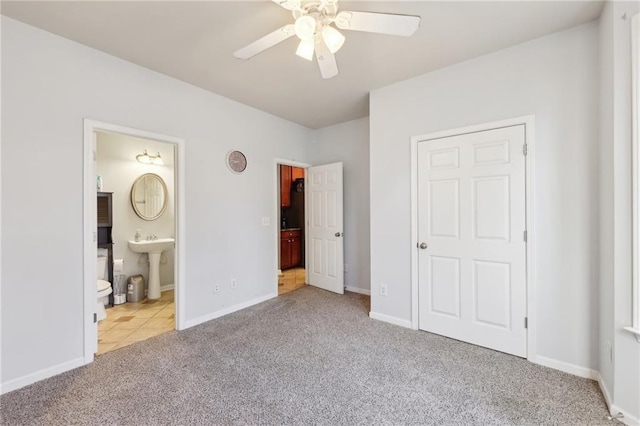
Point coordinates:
[[134, 249], [291, 226], [137, 176]]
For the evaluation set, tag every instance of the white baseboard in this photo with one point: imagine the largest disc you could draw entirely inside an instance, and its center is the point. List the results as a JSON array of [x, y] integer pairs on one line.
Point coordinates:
[[167, 287], [576, 370], [229, 310], [29, 379], [613, 410], [358, 290], [605, 391], [391, 320], [628, 419]]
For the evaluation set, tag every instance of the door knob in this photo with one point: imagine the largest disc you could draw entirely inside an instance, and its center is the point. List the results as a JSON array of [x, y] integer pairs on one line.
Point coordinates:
[[338, 234], [423, 246]]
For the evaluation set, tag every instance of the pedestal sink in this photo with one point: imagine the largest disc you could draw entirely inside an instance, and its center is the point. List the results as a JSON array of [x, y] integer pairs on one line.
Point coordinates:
[[154, 248]]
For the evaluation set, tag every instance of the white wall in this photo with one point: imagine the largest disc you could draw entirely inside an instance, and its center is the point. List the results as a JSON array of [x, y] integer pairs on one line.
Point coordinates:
[[622, 377], [349, 142], [556, 79], [50, 85], [606, 197], [117, 164]]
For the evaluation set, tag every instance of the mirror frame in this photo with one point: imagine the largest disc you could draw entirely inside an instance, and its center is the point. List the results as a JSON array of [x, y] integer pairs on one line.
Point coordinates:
[[166, 197]]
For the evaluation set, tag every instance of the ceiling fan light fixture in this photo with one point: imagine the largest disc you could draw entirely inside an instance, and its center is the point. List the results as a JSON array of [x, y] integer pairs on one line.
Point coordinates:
[[343, 20], [316, 24], [306, 48], [305, 27], [332, 38]]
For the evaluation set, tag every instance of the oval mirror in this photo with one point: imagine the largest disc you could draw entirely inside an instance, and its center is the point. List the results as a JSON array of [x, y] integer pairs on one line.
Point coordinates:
[[149, 196]]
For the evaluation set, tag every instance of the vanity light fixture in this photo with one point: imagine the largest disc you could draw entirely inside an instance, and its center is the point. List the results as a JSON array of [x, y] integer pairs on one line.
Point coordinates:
[[157, 160], [145, 158]]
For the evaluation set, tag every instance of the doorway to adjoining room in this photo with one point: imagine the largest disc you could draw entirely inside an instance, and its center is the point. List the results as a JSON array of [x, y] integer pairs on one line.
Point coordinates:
[[136, 238], [292, 274]]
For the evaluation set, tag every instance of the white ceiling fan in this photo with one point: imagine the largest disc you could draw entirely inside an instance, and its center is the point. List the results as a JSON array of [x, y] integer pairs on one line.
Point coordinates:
[[313, 19]]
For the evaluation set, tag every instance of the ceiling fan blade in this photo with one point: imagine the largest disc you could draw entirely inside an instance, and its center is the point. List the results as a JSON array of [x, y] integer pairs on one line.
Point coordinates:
[[384, 23], [288, 4], [265, 42], [326, 60]]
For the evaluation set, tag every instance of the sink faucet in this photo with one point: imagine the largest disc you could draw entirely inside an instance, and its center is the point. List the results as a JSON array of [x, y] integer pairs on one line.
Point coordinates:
[[152, 237]]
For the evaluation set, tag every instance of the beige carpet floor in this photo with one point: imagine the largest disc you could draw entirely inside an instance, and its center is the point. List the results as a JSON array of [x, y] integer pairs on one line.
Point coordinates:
[[308, 357]]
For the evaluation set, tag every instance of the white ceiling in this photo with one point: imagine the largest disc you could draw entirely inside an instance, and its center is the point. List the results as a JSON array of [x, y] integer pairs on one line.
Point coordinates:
[[195, 41]]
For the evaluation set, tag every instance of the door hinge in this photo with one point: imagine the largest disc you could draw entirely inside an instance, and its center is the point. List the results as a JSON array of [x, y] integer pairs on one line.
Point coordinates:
[[524, 236], [95, 317], [95, 156], [95, 237], [526, 322], [525, 150]]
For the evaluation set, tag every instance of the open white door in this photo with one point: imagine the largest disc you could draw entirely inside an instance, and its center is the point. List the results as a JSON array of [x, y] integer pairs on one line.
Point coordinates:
[[325, 249]]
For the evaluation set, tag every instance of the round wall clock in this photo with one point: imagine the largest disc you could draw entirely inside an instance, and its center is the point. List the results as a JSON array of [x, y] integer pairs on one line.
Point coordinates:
[[236, 161]]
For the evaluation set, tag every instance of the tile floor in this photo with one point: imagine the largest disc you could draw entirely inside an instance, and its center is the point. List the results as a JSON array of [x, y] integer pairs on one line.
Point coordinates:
[[291, 279], [133, 322]]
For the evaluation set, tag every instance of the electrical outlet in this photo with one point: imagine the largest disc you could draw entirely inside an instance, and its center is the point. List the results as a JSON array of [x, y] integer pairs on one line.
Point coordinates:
[[216, 288], [233, 283], [346, 267], [383, 290], [265, 221]]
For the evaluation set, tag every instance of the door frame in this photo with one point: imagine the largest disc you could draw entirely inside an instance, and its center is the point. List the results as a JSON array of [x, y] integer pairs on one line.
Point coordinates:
[[277, 163], [529, 128], [89, 215]]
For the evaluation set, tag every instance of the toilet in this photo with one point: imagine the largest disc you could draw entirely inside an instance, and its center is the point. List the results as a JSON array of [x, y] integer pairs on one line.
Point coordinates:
[[104, 288]]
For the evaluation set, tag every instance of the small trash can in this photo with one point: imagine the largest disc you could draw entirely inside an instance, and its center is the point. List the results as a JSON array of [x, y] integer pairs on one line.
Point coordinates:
[[119, 289], [135, 289]]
